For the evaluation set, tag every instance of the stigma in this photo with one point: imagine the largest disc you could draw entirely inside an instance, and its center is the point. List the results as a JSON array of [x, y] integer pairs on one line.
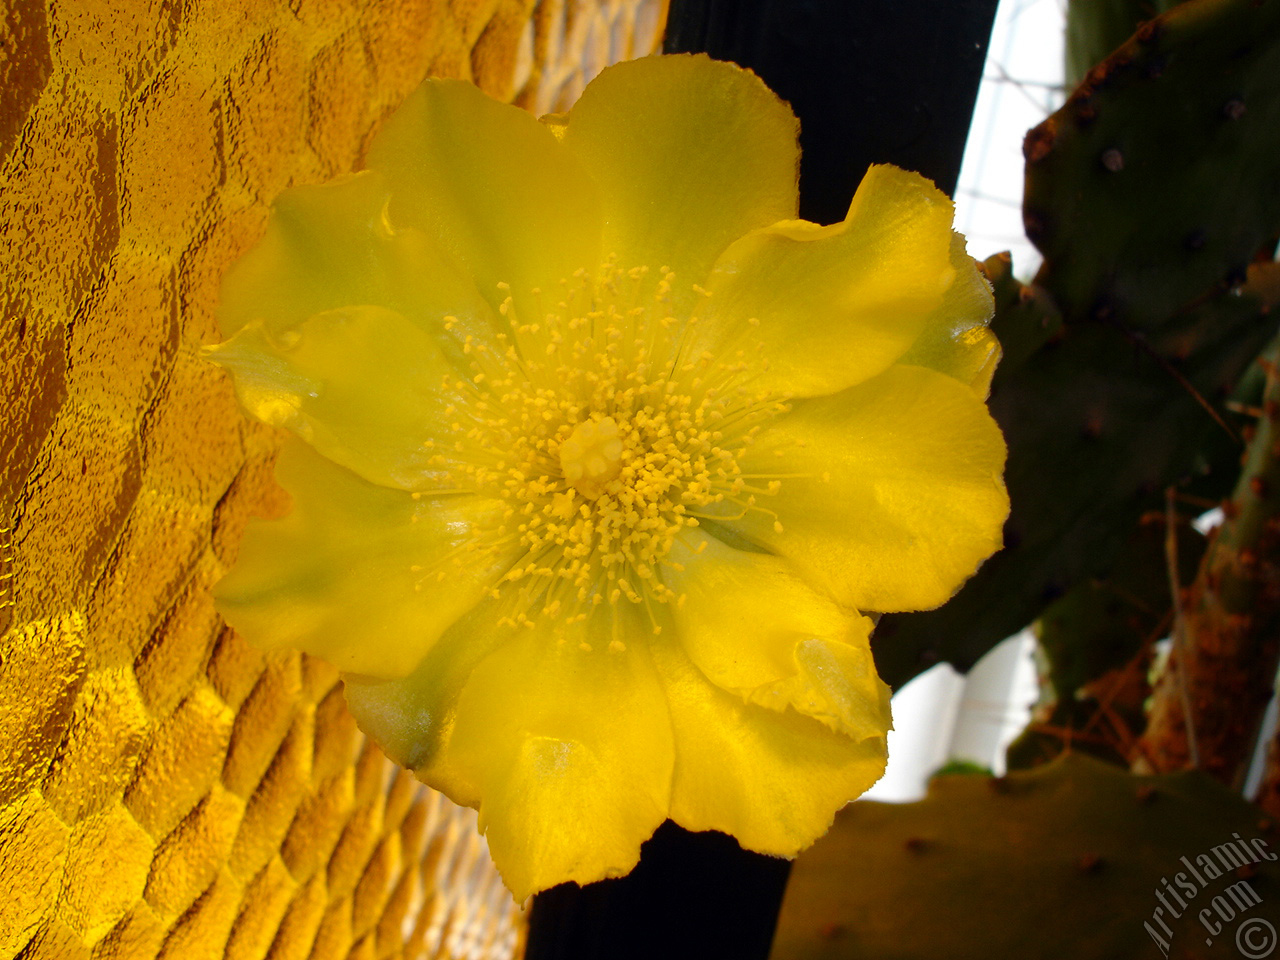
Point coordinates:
[[591, 456]]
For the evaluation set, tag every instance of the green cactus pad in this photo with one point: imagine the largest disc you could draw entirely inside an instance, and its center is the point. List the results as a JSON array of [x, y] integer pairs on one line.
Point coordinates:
[[1061, 862], [1096, 27], [1096, 643], [1159, 180], [1105, 620], [1025, 320]]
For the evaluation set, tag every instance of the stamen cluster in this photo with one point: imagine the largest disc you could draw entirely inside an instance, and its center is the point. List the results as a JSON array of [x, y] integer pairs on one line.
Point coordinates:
[[605, 440]]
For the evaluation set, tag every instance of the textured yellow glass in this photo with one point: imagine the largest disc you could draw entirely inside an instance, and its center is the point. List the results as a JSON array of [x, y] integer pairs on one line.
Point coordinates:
[[167, 791], [601, 456]]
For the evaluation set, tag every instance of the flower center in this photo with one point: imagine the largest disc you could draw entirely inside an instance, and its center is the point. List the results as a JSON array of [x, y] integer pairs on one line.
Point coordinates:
[[602, 439], [592, 456]]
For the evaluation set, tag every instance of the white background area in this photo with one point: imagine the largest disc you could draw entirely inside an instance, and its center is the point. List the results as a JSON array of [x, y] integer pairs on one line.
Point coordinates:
[[1021, 85]]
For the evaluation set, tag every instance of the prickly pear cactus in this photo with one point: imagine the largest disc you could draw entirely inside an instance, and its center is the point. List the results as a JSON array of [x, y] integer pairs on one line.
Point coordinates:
[[1068, 861], [1155, 185]]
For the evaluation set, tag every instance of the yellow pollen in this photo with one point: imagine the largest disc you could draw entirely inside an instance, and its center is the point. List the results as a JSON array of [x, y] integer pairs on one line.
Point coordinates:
[[604, 440], [592, 456]]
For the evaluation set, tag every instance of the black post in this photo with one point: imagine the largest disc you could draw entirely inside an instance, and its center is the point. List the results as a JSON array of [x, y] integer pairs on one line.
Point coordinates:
[[696, 895], [872, 81]]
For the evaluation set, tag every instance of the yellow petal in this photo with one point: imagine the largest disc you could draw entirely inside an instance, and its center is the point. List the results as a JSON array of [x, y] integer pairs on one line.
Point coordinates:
[[828, 307], [360, 384], [893, 494], [571, 750], [352, 573], [412, 717], [955, 339], [758, 630], [689, 154], [330, 246], [491, 185], [772, 779]]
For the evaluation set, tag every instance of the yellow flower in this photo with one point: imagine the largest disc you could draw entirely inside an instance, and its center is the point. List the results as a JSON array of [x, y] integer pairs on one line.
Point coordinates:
[[601, 454]]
